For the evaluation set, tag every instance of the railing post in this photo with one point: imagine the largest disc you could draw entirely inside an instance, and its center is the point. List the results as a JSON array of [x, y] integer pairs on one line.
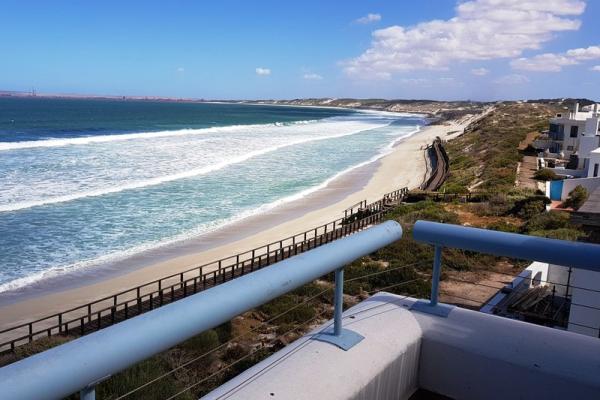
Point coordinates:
[[88, 393], [139, 301], [280, 250], [338, 302], [435, 277], [342, 338], [268, 254]]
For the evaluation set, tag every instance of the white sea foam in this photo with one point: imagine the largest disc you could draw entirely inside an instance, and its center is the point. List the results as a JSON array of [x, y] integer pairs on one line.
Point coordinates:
[[4, 146], [84, 265], [175, 176]]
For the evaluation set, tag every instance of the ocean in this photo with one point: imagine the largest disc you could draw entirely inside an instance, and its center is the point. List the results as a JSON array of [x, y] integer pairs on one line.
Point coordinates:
[[84, 182]]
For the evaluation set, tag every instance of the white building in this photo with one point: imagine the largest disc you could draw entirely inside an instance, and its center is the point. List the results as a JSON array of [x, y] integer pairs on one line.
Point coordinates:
[[574, 135], [572, 144]]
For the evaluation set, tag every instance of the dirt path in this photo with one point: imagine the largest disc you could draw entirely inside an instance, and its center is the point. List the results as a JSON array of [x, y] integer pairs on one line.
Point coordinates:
[[526, 169]]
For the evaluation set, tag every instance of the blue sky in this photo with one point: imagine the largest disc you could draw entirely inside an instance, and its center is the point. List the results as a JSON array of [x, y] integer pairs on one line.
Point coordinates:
[[439, 49]]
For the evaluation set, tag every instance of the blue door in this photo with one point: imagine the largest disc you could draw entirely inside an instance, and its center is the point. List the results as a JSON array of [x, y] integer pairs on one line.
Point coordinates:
[[556, 190]]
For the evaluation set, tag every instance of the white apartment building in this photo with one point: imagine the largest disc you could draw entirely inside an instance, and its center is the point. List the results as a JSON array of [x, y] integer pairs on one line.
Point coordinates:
[[574, 136]]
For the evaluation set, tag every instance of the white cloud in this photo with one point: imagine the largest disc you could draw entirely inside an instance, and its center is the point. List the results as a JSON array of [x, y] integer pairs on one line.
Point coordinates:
[[367, 19], [512, 79], [263, 71], [481, 30], [595, 68], [554, 62], [427, 82], [180, 69], [416, 82], [587, 53], [313, 77], [480, 71]]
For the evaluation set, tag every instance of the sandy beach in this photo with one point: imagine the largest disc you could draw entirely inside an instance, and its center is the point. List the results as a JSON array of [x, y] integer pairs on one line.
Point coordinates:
[[405, 166]]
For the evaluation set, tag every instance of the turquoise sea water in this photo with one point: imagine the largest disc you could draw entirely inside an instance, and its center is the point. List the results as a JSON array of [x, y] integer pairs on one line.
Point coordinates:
[[91, 181]]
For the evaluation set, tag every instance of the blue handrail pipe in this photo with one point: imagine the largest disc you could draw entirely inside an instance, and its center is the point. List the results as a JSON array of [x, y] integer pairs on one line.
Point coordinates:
[[532, 248]]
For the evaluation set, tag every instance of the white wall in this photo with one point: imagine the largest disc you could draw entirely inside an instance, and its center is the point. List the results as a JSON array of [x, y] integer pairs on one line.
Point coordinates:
[[591, 125], [594, 159], [584, 316], [559, 278], [587, 144], [569, 172]]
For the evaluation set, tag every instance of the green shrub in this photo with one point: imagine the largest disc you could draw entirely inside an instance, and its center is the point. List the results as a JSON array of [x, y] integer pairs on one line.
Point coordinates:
[[308, 290], [545, 174], [531, 208], [497, 205], [202, 343], [528, 207], [425, 210], [139, 374], [454, 187], [577, 197], [285, 303], [562, 234], [547, 221], [503, 226], [224, 331]]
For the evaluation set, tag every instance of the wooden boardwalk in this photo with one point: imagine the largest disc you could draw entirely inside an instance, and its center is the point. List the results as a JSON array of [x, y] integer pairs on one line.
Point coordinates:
[[110, 310], [440, 166]]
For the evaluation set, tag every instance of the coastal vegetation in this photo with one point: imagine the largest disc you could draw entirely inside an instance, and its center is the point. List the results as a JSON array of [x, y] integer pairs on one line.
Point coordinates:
[[545, 174], [485, 157], [577, 197]]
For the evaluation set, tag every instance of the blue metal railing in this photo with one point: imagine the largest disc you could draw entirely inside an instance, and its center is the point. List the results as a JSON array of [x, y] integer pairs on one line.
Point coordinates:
[[559, 252], [81, 364]]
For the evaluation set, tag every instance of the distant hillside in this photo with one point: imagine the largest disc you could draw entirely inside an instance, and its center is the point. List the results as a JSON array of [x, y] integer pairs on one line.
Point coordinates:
[[568, 102], [438, 109]]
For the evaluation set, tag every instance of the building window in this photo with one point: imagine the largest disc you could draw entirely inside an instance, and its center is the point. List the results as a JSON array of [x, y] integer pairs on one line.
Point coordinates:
[[596, 170], [556, 131], [570, 148], [574, 131]]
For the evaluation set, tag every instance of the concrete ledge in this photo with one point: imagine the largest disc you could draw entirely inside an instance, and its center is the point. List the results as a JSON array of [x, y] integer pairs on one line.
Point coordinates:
[[384, 365], [467, 355], [472, 355]]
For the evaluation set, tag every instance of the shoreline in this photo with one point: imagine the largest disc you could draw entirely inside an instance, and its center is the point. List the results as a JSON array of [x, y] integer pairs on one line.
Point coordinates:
[[369, 182]]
